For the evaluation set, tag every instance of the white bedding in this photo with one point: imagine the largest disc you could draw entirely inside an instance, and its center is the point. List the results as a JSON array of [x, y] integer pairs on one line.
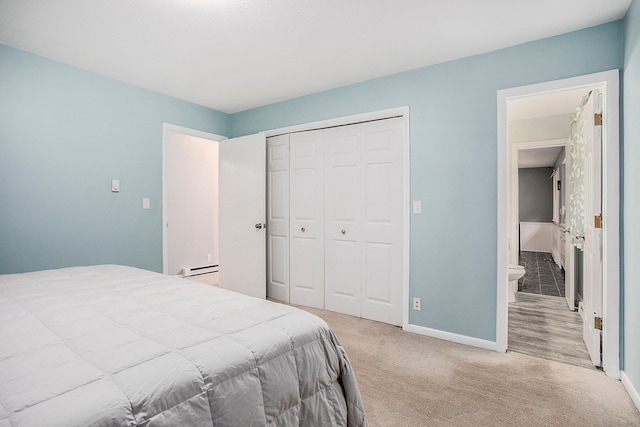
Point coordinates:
[[118, 346]]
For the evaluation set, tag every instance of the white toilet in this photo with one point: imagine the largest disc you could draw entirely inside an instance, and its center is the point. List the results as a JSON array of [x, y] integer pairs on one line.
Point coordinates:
[[515, 273]]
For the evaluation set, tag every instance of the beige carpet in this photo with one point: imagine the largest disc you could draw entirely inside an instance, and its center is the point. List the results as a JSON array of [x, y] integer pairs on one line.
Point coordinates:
[[412, 380]]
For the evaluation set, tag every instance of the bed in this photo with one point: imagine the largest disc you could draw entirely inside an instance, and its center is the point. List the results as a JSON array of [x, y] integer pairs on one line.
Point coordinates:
[[118, 346]]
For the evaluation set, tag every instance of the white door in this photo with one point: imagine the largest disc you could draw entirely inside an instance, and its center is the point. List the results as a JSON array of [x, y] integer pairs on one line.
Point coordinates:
[[569, 248], [382, 221], [307, 219], [278, 218], [242, 209], [364, 222], [569, 271], [591, 305], [343, 198]]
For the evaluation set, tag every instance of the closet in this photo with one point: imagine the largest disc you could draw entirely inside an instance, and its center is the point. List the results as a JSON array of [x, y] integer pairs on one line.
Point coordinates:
[[335, 219]]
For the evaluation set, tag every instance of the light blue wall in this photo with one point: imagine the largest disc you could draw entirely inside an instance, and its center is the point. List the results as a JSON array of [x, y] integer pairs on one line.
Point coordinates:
[[631, 195], [453, 160], [64, 134]]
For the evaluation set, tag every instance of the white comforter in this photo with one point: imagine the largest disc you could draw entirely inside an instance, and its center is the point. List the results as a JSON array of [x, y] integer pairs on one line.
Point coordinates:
[[118, 346]]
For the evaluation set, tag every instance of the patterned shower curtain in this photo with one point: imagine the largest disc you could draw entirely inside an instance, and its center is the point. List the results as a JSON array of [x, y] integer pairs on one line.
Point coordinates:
[[576, 176]]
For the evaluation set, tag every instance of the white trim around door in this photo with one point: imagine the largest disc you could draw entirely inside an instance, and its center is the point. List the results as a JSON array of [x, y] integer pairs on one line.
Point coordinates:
[[610, 210], [367, 117]]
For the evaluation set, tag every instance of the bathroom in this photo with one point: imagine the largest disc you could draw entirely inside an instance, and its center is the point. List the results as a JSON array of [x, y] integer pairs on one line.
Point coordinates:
[[542, 220], [545, 265]]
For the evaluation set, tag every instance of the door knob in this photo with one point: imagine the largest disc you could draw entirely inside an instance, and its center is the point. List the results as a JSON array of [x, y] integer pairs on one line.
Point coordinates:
[[303, 229], [343, 231], [259, 226]]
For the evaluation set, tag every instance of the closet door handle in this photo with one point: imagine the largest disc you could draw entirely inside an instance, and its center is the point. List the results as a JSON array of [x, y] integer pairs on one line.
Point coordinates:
[[259, 226], [303, 229], [343, 231]]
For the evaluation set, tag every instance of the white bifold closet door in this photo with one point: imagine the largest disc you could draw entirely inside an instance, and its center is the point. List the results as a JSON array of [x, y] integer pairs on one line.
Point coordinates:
[[363, 216], [307, 219], [340, 192], [278, 217], [344, 199], [295, 209]]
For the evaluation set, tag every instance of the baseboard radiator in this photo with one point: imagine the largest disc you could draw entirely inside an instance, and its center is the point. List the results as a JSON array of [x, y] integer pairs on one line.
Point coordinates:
[[198, 271]]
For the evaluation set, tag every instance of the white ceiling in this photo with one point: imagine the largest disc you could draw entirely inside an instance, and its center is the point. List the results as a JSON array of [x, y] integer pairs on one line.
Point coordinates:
[[233, 55], [548, 104], [538, 157]]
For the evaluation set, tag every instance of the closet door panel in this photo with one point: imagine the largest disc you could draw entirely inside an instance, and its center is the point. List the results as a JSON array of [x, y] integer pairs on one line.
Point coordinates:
[[343, 278], [345, 192], [379, 181], [278, 274], [307, 219], [343, 250], [382, 221], [278, 218], [378, 272]]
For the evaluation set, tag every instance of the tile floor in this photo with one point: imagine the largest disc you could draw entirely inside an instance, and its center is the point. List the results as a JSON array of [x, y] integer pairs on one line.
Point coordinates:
[[542, 275]]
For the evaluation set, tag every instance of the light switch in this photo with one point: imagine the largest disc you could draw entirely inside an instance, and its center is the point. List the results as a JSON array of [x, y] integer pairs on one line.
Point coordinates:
[[146, 203], [115, 185], [417, 207]]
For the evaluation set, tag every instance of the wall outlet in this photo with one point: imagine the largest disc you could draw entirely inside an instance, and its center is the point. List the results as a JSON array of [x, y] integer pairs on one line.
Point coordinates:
[[417, 304]]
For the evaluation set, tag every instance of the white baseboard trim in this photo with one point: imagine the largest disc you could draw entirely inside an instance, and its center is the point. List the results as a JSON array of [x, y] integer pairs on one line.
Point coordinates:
[[450, 336], [633, 393]]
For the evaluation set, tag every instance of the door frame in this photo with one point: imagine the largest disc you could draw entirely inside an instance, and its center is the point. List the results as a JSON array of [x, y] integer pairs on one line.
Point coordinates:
[[402, 112], [167, 128], [609, 80]]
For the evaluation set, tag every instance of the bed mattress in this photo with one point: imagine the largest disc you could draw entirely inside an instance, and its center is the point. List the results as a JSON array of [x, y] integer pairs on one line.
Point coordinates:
[[118, 346]]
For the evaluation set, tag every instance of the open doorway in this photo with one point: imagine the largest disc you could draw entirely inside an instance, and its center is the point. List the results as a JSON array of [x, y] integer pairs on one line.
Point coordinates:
[[190, 203], [213, 220], [509, 233]]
